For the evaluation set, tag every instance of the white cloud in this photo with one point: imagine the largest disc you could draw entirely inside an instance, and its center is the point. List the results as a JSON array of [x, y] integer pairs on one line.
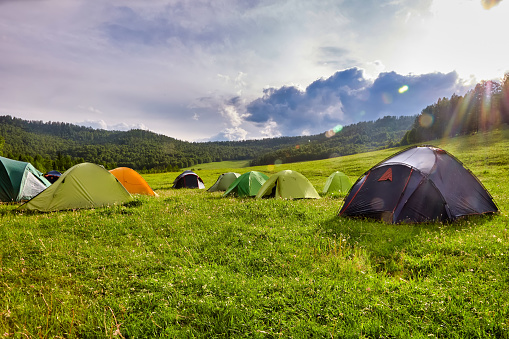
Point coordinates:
[[101, 124], [270, 130], [235, 133], [232, 115]]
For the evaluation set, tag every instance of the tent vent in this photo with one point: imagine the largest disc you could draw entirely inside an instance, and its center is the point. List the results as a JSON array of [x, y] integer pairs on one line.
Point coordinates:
[[387, 175]]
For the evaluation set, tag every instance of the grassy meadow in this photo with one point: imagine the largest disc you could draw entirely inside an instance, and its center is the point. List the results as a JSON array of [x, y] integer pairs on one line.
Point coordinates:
[[190, 263]]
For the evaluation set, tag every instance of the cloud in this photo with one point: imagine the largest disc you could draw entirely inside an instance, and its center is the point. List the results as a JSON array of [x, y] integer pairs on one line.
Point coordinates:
[[192, 69], [270, 130], [347, 97], [101, 124]]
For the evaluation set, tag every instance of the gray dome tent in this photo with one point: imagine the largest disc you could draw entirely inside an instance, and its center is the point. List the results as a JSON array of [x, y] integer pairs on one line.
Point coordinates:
[[416, 185]]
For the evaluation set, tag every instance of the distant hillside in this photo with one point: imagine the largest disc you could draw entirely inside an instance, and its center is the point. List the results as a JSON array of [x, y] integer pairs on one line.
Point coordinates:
[[361, 137], [57, 145], [484, 108]]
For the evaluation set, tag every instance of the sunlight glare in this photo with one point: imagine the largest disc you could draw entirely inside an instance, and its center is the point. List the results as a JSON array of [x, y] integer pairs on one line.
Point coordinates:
[[426, 120], [403, 89]]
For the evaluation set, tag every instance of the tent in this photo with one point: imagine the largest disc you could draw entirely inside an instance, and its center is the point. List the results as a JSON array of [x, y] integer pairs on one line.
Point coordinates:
[[188, 179], [418, 184], [337, 182], [20, 180], [287, 184], [52, 176], [132, 181], [84, 185], [247, 185], [224, 181]]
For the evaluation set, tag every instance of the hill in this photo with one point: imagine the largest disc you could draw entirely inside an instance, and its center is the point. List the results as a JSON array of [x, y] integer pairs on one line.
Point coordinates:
[[57, 145]]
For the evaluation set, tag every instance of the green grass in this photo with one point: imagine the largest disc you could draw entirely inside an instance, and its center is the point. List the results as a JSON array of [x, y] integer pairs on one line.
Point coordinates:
[[219, 165], [189, 263]]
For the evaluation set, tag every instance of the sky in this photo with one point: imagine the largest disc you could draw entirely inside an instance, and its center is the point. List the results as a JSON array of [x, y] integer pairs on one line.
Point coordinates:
[[207, 70]]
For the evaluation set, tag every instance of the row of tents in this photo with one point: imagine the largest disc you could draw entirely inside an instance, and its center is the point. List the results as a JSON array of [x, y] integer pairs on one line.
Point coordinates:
[[418, 184], [85, 185], [415, 185], [286, 184]]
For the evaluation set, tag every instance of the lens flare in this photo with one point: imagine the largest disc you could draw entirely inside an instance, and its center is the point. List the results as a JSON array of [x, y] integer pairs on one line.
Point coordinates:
[[332, 132], [426, 120], [337, 129], [387, 98], [403, 89], [278, 162]]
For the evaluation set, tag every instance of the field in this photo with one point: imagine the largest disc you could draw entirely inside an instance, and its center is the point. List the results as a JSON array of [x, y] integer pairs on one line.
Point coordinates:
[[190, 263]]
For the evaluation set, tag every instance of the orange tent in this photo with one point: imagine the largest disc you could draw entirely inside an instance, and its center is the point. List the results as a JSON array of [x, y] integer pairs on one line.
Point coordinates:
[[132, 181]]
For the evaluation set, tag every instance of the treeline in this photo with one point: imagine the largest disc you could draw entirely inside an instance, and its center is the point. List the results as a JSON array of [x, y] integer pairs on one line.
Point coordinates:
[[59, 146], [361, 137], [484, 108]]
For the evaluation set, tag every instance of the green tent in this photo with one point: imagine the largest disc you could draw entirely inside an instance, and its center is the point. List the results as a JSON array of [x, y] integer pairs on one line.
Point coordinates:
[[224, 181], [337, 182], [247, 184], [288, 185], [20, 180], [84, 185]]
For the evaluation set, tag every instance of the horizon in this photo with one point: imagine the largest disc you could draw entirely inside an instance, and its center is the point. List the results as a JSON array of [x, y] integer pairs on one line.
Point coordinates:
[[327, 134]]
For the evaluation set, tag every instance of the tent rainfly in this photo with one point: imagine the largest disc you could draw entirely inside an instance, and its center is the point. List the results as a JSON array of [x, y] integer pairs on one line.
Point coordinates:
[[188, 179], [288, 184], [418, 184], [247, 185], [20, 180], [337, 182], [84, 185], [223, 182], [132, 181]]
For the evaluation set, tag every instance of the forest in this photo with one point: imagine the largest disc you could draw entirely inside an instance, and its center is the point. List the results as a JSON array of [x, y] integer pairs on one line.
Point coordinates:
[[484, 108], [58, 145]]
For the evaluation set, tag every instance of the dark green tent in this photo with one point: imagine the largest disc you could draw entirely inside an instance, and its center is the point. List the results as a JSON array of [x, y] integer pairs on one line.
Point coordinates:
[[247, 184], [20, 180]]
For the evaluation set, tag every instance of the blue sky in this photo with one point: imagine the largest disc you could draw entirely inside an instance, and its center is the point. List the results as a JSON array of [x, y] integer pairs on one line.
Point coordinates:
[[231, 70]]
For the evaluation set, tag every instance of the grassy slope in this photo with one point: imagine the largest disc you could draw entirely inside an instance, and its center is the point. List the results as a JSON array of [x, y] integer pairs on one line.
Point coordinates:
[[193, 264], [219, 165]]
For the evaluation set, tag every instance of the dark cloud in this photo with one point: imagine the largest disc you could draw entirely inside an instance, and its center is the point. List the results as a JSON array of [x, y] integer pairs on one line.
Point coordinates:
[[348, 97]]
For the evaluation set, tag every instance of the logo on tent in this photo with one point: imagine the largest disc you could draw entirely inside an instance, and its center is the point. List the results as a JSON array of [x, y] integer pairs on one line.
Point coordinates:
[[387, 175]]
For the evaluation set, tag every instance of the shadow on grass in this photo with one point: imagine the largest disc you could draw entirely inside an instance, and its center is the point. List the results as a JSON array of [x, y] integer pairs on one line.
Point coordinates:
[[390, 245], [133, 203], [105, 209]]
